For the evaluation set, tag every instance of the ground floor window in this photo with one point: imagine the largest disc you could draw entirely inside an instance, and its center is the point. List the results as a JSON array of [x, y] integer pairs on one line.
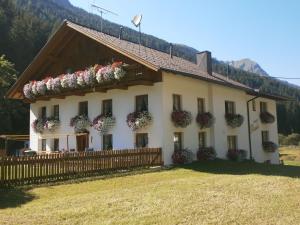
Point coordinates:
[[177, 141], [56, 144], [43, 144], [232, 142], [141, 140], [107, 142], [202, 139], [264, 136]]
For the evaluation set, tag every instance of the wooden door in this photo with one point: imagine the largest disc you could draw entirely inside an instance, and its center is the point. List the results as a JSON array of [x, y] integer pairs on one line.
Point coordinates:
[[82, 142]]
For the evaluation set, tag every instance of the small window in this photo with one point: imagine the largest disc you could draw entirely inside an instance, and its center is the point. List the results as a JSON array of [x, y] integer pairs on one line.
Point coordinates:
[[107, 142], [56, 111], [232, 142], [44, 112], [202, 139], [264, 136], [141, 140], [263, 107], [229, 107], [176, 102], [177, 141], [254, 105], [107, 107], [141, 103], [43, 144], [83, 108], [201, 105], [56, 144]]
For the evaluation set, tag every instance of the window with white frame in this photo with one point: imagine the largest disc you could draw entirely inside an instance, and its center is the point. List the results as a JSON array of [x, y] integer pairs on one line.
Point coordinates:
[[232, 142], [229, 107]]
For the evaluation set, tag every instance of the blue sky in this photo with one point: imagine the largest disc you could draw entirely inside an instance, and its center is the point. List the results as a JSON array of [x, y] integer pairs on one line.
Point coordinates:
[[266, 31]]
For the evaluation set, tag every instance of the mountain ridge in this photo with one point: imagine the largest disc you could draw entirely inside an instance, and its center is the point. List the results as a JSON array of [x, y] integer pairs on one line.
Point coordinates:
[[248, 65]]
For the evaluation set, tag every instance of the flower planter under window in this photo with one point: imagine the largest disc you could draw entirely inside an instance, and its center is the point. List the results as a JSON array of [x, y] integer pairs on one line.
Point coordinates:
[[237, 155], [181, 118], [80, 123], [93, 76], [267, 117], [182, 156], [138, 120], [234, 120], [205, 120], [206, 153], [49, 124], [104, 123], [269, 146]]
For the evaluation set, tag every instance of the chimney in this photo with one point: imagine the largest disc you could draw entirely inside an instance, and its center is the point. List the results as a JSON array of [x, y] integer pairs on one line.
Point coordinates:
[[204, 61], [121, 33], [171, 50]]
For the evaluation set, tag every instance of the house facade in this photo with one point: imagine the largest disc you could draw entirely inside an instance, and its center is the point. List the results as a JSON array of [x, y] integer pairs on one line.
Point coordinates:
[[155, 82]]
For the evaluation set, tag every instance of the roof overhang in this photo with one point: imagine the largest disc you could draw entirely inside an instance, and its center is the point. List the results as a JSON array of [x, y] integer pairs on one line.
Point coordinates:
[[270, 96]]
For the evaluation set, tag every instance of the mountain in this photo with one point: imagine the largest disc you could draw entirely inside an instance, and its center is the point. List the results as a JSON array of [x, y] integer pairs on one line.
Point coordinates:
[[249, 66], [26, 25]]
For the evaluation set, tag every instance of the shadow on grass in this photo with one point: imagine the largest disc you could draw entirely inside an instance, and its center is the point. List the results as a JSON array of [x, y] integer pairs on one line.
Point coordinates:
[[242, 168], [14, 197]]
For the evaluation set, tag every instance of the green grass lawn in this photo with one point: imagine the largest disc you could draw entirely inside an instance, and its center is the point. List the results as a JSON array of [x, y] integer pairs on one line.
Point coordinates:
[[216, 192]]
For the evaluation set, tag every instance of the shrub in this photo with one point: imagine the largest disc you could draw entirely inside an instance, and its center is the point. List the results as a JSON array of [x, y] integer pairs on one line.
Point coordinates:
[[237, 155], [267, 117], [269, 146], [207, 153], [205, 120], [234, 120], [182, 156], [181, 118]]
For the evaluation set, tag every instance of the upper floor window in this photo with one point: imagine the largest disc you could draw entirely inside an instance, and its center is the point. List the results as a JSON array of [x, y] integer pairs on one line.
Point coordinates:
[[177, 141], [263, 107], [43, 112], [83, 108], [202, 139], [253, 105], [264, 136], [201, 105], [107, 107], [141, 103], [229, 107], [141, 140], [56, 111], [107, 142], [231, 142], [176, 102]]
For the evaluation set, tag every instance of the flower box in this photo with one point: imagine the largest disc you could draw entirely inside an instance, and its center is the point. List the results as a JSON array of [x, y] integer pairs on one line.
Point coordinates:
[[267, 117], [92, 76], [269, 146], [205, 120], [138, 120], [49, 124], [237, 155], [181, 118], [234, 120], [207, 153], [80, 123], [104, 123]]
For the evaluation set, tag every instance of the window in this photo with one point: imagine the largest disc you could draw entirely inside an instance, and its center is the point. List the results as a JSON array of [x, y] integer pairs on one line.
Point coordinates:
[[56, 111], [176, 102], [177, 141], [201, 105], [202, 139], [229, 107], [107, 107], [264, 136], [83, 108], [253, 105], [56, 144], [141, 103], [44, 112], [107, 142], [263, 107], [231, 142], [141, 140], [43, 144]]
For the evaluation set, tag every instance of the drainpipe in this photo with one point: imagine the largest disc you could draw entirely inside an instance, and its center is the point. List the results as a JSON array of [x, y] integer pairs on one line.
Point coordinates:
[[249, 132]]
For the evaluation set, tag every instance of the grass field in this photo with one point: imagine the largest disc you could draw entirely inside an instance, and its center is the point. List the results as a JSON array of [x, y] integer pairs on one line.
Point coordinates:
[[216, 192], [290, 155]]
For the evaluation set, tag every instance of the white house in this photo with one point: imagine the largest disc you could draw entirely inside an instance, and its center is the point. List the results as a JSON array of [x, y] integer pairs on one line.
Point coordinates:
[[153, 81]]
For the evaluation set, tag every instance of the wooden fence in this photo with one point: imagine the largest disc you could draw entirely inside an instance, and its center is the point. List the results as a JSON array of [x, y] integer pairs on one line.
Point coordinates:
[[53, 167]]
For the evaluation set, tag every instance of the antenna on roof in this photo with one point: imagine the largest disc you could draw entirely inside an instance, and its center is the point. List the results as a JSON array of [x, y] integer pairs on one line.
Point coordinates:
[[102, 11], [137, 23]]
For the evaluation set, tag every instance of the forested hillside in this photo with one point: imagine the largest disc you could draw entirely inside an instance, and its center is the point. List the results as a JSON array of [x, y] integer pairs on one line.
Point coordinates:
[[25, 26]]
